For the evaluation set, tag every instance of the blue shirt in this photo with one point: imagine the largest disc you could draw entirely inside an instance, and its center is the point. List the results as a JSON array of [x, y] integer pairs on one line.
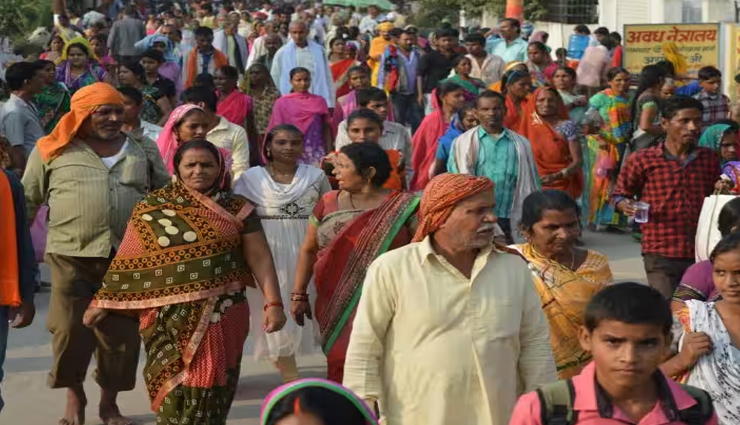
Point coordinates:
[[514, 51], [691, 89], [444, 145]]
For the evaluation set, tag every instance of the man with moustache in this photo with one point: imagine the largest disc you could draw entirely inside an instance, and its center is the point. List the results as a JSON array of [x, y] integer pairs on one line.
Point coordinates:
[[91, 175], [448, 329], [673, 177]]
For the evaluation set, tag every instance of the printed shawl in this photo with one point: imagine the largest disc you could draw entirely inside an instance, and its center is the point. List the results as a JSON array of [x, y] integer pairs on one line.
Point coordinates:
[[564, 294], [341, 267], [179, 246]]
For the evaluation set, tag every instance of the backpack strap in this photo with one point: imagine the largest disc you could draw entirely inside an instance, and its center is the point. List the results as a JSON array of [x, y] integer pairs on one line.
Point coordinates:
[[702, 411], [556, 403]]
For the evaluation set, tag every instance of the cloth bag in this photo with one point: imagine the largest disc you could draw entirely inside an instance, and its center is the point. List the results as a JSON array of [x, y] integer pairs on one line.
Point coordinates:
[[39, 232], [707, 233]]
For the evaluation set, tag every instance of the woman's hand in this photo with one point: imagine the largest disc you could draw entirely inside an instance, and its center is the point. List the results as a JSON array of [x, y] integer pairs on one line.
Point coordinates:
[[299, 309], [93, 316], [590, 129], [695, 345], [551, 178], [723, 186], [274, 319]]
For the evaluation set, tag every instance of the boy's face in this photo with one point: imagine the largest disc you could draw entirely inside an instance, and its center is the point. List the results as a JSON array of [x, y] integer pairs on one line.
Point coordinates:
[[711, 85], [626, 355]]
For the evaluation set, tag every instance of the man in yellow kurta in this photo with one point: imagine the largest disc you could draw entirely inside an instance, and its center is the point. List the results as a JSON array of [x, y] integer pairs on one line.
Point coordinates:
[[377, 48], [449, 330]]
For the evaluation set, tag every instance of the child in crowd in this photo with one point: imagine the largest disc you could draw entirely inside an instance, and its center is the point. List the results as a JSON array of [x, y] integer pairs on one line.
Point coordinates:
[[716, 104], [627, 329]]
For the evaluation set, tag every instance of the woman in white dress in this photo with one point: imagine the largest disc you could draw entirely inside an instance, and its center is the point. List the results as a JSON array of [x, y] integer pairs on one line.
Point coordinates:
[[285, 193]]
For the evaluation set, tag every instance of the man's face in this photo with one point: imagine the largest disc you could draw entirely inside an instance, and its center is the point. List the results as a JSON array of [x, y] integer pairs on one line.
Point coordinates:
[[272, 44], [364, 130], [204, 42], [36, 83], [507, 30], [490, 112], [625, 354], [63, 21], [372, 11], [711, 85], [447, 44], [130, 110], [359, 80], [385, 34], [475, 49], [684, 128], [105, 123], [406, 41], [169, 32], [471, 224], [299, 34], [380, 108]]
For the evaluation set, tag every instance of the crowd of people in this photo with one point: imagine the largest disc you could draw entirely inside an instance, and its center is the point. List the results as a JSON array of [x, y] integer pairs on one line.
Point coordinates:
[[410, 203]]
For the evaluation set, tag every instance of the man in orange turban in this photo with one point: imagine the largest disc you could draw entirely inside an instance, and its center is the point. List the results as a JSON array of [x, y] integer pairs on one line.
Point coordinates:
[[91, 175], [377, 47], [446, 307]]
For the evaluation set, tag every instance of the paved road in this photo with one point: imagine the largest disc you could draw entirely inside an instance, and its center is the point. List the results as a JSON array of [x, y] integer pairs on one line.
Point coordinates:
[[29, 401]]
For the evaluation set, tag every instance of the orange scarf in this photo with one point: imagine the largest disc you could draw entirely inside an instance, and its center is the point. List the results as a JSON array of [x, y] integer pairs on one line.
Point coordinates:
[[9, 274], [84, 102], [219, 59]]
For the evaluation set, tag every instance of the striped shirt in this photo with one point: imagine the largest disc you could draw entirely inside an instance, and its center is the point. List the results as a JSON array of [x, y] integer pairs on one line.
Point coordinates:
[[498, 161], [90, 205]]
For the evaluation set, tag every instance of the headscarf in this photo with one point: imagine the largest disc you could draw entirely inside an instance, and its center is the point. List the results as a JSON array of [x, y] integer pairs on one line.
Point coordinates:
[[167, 141], [712, 136], [78, 40], [441, 195], [286, 390], [538, 36], [672, 55], [246, 85], [385, 26], [84, 102], [169, 49]]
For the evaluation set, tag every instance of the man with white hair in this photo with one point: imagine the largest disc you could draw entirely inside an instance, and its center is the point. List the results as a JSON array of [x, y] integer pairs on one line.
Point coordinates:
[[299, 51], [449, 330]]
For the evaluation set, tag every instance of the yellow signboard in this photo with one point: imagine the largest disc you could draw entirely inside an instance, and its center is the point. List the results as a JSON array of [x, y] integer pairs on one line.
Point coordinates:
[[735, 58], [697, 43]]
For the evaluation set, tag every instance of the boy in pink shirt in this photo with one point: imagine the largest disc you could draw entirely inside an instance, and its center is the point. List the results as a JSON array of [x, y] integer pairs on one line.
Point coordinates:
[[627, 329]]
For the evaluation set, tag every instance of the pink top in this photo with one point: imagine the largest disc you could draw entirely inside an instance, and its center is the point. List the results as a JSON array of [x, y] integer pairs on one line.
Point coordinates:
[[527, 410]]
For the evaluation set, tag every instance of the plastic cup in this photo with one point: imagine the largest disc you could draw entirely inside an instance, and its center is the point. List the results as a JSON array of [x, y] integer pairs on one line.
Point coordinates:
[[642, 210]]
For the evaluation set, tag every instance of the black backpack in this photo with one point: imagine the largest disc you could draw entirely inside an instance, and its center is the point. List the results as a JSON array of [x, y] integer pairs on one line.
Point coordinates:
[[556, 405]]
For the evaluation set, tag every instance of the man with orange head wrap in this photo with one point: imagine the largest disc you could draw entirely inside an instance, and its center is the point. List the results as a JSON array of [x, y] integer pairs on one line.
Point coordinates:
[[91, 175], [448, 326]]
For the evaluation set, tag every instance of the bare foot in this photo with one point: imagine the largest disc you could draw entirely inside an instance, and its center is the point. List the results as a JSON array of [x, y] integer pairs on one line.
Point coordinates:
[[74, 413], [108, 410]]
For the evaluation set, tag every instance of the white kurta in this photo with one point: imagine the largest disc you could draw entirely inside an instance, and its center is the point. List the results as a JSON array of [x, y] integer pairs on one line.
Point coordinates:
[[283, 210], [436, 348]]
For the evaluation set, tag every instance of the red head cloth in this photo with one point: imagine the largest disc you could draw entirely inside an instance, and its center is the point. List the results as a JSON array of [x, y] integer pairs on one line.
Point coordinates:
[[441, 196]]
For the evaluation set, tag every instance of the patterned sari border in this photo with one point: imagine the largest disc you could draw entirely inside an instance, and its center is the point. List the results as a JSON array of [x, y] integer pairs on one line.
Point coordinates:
[[168, 300], [167, 387], [218, 209], [200, 331], [344, 318]]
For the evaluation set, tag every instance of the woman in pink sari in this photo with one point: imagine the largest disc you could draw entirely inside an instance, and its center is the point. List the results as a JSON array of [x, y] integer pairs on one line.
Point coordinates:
[[308, 112], [447, 99], [234, 105]]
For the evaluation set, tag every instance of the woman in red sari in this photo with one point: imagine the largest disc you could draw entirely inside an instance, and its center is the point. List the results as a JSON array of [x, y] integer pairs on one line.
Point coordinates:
[[555, 142], [236, 106], [518, 92], [447, 99], [349, 229], [342, 57]]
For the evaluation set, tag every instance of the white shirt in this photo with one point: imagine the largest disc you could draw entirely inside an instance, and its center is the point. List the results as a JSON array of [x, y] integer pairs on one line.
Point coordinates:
[[110, 161], [437, 348], [395, 136], [368, 24], [304, 59], [490, 72], [233, 138]]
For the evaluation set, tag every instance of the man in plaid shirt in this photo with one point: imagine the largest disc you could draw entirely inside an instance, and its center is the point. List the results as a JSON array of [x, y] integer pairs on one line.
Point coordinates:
[[674, 178]]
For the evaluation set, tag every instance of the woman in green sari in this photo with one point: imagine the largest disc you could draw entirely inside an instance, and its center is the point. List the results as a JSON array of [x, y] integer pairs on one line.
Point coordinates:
[[461, 67], [189, 251], [54, 99]]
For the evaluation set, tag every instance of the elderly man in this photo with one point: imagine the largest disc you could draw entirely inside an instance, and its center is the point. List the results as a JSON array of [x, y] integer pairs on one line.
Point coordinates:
[[448, 329], [302, 52], [91, 175], [264, 50]]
